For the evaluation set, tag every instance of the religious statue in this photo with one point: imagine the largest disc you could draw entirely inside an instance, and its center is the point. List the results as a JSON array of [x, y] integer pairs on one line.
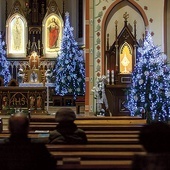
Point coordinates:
[[21, 75], [54, 30], [33, 77], [39, 102], [100, 95], [4, 102], [34, 60], [48, 75], [32, 101]]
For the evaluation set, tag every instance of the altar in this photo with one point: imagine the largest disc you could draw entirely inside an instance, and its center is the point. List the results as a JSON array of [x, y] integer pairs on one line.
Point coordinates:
[[47, 85], [23, 98]]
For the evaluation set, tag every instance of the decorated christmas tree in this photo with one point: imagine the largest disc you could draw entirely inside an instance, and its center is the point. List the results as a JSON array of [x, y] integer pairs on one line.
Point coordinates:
[[70, 67], [149, 95], [4, 64]]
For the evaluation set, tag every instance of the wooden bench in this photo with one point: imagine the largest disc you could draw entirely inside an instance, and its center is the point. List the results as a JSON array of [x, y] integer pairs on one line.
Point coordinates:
[[88, 127], [95, 155], [80, 101], [78, 105], [89, 136], [95, 147], [96, 165], [57, 99], [68, 100]]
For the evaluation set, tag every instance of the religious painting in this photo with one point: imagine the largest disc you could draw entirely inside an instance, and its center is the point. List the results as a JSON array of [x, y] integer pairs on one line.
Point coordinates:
[[125, 61], [53, 26], [53, 33], [53, 30], [17, 34]]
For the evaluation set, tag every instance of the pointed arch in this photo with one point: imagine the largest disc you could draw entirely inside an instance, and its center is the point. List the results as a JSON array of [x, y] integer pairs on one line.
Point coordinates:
[[103, 26]]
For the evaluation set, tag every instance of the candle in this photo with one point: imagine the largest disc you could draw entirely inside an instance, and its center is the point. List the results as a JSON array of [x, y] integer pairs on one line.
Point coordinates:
[[108, 76], [112, 76], [29, 44], [39, 44]]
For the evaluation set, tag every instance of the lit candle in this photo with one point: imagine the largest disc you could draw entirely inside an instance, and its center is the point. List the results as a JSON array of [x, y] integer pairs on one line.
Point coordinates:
[[39, 44], [108, 76], [29, 44], [112, 76]]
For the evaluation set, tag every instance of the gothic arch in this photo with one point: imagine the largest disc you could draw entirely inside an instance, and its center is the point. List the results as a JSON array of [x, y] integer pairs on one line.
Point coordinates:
[[103, 28]]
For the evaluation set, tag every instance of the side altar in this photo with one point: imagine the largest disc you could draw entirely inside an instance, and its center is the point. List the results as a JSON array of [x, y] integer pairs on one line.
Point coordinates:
[[24, 98], [120, 60]]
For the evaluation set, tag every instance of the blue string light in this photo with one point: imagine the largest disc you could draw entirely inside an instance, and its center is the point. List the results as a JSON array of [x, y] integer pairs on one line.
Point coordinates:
[[150, 90]]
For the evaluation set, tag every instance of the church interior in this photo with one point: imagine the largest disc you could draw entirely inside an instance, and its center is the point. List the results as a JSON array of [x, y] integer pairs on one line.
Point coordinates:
[[108, 34]]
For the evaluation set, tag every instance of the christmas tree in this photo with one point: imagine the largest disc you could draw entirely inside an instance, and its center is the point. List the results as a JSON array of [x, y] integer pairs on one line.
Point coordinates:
[[70, 67], [149, 94], [4, 64]]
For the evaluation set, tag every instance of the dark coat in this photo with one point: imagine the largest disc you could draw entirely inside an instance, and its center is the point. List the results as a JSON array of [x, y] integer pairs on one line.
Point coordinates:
[[21, 154], [156, 161], [67, 133]]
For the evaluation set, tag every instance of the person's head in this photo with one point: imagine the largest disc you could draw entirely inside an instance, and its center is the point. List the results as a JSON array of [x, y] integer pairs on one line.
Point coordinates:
[[155, 137], [19, 124], [65, 115]]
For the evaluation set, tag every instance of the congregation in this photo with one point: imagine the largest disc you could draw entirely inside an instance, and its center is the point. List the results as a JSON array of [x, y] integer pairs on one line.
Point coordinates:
[[19, 151]]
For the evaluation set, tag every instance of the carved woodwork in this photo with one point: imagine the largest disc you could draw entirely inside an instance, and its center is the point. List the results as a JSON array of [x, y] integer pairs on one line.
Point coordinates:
[[119, 63], [23, 98]]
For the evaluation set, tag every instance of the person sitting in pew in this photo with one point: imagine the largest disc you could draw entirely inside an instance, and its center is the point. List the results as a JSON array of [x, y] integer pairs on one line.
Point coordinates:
[[155, 138], [66, 131], [19, 153]]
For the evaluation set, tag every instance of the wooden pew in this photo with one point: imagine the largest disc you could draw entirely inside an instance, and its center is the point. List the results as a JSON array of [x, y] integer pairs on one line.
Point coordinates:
[[96, 165], [95, 140], [99, 127], [112, 142], [94, 147], [95, 155], [89, 136]]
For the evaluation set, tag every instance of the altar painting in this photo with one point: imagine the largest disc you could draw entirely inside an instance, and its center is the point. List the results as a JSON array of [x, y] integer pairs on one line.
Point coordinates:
[[53, 33]]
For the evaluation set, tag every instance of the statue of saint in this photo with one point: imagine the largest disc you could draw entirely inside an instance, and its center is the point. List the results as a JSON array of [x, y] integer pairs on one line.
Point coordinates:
[[21, 75], [100, 95], [48, 75], [33, 77], [54, 30]]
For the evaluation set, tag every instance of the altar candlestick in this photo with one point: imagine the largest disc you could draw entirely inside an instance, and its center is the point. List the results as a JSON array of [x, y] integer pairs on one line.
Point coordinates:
[[29, 44], [108, 76], [38, 44], [112, 76]]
